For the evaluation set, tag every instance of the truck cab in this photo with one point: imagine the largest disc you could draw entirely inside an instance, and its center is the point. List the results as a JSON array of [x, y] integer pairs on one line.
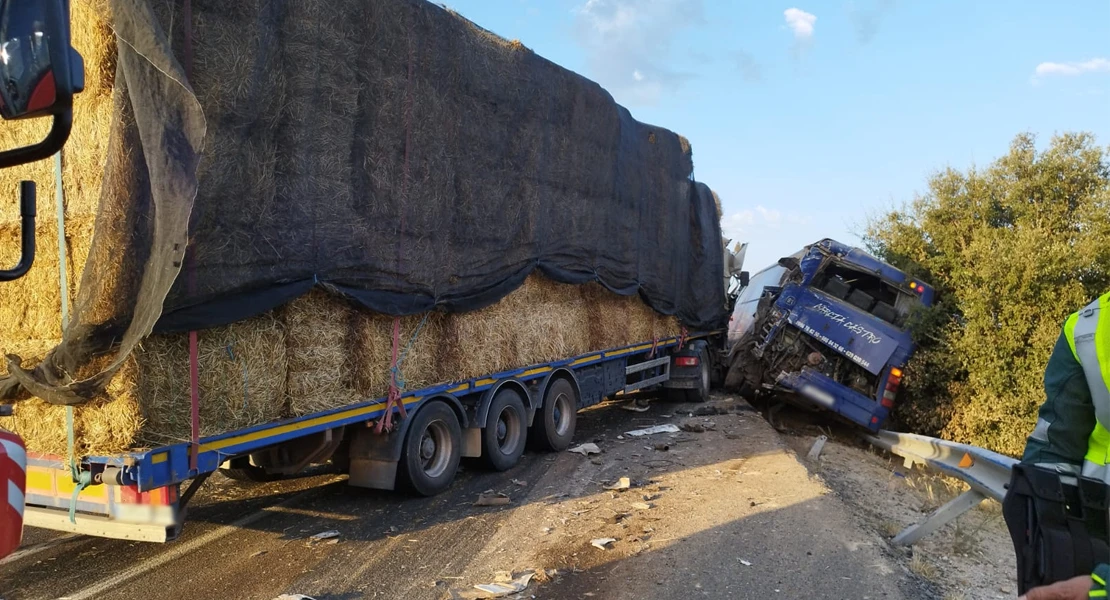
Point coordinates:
[[827, 329]]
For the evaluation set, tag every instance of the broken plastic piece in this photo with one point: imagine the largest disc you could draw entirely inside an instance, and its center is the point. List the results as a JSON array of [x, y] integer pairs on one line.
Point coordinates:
[[818, 445], [621, 484], [665, 428], [324, 535], [491, 498], [586, 449], [641, 505], [602, 543]]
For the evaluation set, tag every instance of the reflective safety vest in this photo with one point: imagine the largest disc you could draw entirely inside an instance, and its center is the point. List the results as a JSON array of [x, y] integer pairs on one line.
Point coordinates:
[[1088, 334]]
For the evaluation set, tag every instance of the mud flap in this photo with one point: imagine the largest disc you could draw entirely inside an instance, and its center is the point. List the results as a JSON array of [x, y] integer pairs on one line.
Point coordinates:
[[1058, 525]]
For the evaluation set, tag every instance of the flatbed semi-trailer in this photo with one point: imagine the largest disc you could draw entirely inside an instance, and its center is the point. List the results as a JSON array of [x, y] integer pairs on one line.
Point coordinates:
[[142, 494]]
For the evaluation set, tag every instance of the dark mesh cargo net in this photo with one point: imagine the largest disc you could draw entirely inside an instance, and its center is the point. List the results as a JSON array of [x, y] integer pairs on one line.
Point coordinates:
[[389, 151]]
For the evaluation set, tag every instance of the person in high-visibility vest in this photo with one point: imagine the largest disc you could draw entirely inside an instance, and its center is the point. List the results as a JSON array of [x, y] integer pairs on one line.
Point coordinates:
[[1072, 434]]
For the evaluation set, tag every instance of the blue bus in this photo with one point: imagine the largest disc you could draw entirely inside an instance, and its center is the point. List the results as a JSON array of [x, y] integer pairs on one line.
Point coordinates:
[[826, 328]]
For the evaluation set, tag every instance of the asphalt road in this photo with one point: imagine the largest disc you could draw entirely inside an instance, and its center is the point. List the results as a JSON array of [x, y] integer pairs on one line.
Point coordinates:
[[254, 542]]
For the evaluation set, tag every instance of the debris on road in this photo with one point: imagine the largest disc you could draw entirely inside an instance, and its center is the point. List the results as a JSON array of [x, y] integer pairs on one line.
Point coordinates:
[[635, 406], [504, 584], [324, 535], [602, 543], [818, 445], [492, 498], [665, 428], [662, 447], [520, 483], [698, 427], [586, 449], [621, 484], [746, 563], [294, 597], [641, 506]]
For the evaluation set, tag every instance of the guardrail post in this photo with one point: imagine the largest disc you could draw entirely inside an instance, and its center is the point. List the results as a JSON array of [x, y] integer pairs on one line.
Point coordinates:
[[939, 518]]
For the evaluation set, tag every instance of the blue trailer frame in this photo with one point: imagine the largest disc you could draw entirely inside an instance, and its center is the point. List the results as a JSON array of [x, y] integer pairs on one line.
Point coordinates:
[[134, 477]]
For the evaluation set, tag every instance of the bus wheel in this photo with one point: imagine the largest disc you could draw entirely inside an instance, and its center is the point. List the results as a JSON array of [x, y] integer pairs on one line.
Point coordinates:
[[506, 430], [553, 425], [432, 450]]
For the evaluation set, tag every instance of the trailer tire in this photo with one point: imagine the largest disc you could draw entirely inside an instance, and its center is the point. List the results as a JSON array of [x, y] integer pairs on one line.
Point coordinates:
[[505, 431], [432, 450], [700, 393], [250, 474], [553, 426]]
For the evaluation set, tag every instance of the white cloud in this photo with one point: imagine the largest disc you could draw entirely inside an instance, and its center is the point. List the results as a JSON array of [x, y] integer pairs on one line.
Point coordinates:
[[800, 22], [629, 43], [1094, 65], [741, 225]]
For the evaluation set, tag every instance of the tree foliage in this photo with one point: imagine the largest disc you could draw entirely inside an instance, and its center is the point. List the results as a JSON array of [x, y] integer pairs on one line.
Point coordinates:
[[1012, 249]]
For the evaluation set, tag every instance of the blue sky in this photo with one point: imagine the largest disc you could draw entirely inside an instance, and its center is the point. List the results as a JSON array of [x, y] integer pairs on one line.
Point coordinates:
[[809, 117]]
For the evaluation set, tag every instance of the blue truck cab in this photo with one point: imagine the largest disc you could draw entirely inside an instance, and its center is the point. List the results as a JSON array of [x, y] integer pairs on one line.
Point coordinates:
[[827, 328]]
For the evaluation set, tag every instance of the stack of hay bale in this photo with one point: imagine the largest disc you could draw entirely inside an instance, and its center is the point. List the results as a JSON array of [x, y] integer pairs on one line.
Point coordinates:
[[320, 350]]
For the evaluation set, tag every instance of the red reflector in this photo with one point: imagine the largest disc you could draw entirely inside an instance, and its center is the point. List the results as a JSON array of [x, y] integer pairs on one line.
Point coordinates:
[[686, 361], [874, 420], [888, 402], [920, 289]]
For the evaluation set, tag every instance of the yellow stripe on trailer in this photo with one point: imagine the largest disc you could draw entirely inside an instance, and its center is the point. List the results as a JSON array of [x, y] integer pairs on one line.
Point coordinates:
[[259, 435], [57, 482]]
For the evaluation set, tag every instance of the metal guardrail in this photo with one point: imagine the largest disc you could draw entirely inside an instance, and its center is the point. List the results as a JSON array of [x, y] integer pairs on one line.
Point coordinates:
[[985, 471]]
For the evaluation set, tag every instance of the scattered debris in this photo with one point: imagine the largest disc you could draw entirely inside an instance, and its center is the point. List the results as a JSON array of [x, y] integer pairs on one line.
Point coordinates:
[[620, 438], [520, 483], [504, 584], [665, 428], [324, 535], [642, 506], [706, 411], [259, 553], [662, 447], [546, 530], [818, 445], [746, 563], [650, 497], [586, 449], [636, 406], [492, 498], [294, 597], [698, 427], [621, 484], [602, 543]]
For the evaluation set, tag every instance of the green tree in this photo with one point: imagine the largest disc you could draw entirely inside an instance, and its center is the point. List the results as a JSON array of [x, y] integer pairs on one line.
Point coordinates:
[[1012, 250]]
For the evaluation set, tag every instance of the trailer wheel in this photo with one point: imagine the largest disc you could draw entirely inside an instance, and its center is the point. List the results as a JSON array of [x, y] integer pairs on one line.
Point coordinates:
[[700, 393], [250, 474], [433, 447], [506, 430], [553, 426]]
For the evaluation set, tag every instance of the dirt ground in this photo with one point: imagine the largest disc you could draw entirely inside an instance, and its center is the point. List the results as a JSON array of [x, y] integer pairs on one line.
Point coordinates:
[[720, 509], [970, 559]]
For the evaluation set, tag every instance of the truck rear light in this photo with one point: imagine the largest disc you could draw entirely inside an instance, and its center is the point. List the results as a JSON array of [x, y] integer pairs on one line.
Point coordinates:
[[687, 361]]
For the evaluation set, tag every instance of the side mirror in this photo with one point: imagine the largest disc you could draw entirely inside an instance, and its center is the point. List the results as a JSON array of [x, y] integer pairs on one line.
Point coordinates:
[[745, 279], [39, 72]]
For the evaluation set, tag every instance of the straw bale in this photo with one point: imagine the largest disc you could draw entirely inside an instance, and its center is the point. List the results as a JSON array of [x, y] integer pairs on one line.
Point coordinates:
[[242, 376], [319, 359], [104, 425]]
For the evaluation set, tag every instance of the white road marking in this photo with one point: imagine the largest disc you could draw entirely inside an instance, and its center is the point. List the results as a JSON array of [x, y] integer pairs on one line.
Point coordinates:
[[36, 548], [177, 551]]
